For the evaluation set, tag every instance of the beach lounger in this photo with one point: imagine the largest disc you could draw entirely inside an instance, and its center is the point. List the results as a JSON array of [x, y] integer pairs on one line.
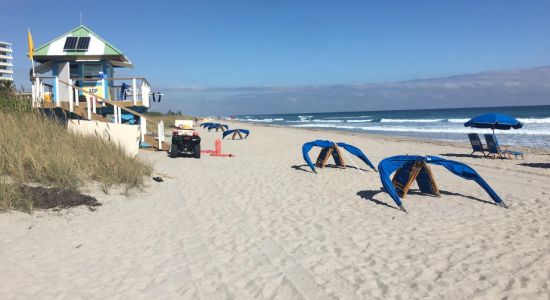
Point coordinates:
[[477, 146], [501, 151]]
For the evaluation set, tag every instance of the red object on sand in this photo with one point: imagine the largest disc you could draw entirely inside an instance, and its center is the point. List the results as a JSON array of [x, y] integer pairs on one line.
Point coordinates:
[[217, 150]]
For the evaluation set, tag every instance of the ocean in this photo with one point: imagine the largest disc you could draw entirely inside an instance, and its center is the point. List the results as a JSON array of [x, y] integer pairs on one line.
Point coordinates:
[[439, 124]]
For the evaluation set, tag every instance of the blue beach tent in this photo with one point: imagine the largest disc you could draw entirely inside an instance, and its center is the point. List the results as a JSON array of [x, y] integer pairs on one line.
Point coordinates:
[[217, 126], [236, 132], [206, 124], [328, 144], [391, 164]]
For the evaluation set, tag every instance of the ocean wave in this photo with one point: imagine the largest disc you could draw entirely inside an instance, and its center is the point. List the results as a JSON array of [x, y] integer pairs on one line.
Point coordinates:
[[358, 117], [457, 120], [359, 121], [328, 121], [534, 120], [326, 126], [262, 120], [410, 120], [460, 130]]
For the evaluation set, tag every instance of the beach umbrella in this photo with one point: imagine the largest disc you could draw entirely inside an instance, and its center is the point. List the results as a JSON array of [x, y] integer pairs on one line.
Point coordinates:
[[494, 121]]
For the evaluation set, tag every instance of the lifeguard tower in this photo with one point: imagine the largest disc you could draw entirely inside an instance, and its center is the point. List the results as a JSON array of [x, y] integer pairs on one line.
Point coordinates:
[[76, 76]]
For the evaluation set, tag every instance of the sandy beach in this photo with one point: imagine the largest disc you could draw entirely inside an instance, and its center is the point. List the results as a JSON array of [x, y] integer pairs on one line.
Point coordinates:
[[261, 225]]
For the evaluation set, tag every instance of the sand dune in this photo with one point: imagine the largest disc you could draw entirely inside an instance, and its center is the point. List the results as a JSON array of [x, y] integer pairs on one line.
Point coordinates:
[[260, 225]]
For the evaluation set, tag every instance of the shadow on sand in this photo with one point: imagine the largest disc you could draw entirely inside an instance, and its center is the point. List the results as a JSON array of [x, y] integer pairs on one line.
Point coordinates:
[[460, 155], [369, 195], [536, 165], [305, 168], [442, 192]]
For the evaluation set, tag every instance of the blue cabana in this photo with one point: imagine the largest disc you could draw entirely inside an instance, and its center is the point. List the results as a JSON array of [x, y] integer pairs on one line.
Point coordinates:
[[206, 124], [217, 126], [327, 144], [236, 132], [391, 164]]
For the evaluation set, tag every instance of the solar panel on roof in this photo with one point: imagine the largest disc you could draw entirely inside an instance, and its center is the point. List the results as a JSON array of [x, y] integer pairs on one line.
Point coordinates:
[[70, 43], [83, 43]]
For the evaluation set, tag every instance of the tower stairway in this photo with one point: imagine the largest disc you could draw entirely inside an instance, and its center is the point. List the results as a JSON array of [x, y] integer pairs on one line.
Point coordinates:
[[90, 110]]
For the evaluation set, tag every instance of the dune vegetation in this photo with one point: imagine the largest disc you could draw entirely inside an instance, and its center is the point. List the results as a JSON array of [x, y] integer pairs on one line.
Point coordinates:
[[38, 150]]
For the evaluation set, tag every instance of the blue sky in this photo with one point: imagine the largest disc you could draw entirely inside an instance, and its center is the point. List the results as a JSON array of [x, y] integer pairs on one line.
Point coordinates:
[[289, 43]]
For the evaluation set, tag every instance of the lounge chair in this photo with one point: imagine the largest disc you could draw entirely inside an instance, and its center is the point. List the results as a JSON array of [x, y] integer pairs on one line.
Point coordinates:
[[477, 146], [500, 151]]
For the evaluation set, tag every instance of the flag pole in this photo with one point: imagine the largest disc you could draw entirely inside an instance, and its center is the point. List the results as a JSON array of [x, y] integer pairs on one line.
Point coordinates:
[[33, 72]]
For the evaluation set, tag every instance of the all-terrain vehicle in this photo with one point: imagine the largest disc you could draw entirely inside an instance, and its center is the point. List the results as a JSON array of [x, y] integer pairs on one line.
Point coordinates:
[[185, 143]]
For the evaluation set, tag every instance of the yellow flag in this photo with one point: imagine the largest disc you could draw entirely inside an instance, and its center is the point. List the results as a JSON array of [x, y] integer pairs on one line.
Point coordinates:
[[31, 45]]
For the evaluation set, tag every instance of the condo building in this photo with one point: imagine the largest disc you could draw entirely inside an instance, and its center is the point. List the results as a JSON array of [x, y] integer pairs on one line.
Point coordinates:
[[6, 65]]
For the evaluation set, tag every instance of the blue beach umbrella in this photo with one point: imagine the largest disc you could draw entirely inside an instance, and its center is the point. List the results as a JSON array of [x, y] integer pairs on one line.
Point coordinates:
[[494, 121]]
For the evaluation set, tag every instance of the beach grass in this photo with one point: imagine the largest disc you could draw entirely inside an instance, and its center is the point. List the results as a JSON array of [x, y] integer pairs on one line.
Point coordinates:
[[37, 149], [11, 197]]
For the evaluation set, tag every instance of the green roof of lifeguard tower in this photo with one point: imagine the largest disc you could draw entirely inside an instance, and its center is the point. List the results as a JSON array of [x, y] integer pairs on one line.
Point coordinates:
[[80, 43]]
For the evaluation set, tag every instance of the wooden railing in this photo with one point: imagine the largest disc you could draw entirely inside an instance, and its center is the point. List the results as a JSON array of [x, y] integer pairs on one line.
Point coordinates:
[[138, 88], [90, 111]]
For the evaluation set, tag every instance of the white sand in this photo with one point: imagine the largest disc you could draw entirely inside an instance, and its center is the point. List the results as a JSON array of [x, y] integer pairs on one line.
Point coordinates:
[[252, 226]]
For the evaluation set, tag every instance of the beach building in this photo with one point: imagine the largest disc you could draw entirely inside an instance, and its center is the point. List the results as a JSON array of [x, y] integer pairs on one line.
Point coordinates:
[[6, 64], [75, 75]]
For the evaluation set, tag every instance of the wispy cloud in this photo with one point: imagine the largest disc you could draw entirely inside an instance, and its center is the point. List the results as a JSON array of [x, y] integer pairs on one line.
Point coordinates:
[[510, 87]]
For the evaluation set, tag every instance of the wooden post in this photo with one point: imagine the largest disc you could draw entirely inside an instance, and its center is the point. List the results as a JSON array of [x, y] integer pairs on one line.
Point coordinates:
[[160, 134], [71, 95], [56, 96], [134, 91], [104, 86], [94, 102], [143, 128], [145, 91], [36, 92], [119, 115], [115, 114], [76, 97], [88, 108], [41, 92], [33, 96]]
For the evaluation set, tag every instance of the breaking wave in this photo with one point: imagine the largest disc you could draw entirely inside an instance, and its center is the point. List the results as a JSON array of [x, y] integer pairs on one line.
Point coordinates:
[[410, 120], [461, 130], [262, 120], [534, 120]]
